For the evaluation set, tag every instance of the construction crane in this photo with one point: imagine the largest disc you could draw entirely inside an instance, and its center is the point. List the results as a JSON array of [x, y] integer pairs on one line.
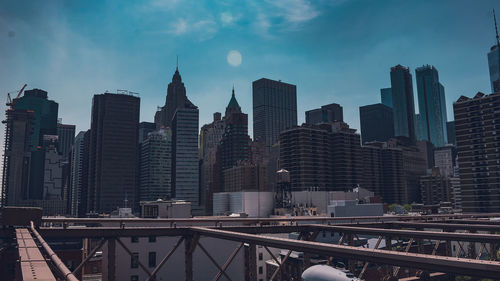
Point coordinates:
[[10, 101]]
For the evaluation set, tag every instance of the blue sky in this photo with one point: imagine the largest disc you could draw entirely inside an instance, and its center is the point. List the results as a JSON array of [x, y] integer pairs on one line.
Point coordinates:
[[334, 51]]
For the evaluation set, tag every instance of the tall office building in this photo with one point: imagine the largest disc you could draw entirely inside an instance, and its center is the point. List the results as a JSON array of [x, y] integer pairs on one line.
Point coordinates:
[[274, 109], [477, 127], [144, 129], [66, 139], [403, 105], [494, 61], [16, 155], [322, 157], [113, 156], [176, 98], [79, 174], [386, 96], [156, 166], [376, 122], [326, 114], [432, 106], [210, 136], [185, 164], [234, 145]]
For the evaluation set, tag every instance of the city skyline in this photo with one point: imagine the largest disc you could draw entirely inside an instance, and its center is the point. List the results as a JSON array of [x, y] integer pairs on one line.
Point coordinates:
[[77, 63]]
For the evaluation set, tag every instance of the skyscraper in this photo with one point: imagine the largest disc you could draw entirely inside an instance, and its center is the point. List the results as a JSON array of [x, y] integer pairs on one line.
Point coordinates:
[[234, 145], [113, 156], [476, 123], [79, 174], [450, 132], [494, 61], [326, 114], [176, 98], [185, 165], [403, 105], [432, 106], [66, 139], [386, 96], [274, 109], [16, 156], [156, 166], [377, 122]]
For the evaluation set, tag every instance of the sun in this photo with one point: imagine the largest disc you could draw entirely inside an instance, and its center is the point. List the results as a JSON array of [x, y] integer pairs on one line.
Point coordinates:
[[234, 58]]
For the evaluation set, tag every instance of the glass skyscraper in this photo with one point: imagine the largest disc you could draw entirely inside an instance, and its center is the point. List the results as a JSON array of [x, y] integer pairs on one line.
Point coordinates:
[[403, 105], [432, 106], [494, 66], [386, 96]]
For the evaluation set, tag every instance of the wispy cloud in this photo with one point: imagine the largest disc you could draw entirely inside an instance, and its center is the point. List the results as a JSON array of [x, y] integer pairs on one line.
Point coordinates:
[[228, 18], [295, 11], [202, 29], [179, 27]]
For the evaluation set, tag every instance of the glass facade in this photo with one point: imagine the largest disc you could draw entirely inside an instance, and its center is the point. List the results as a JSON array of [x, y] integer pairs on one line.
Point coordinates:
[[403, 105], [386, 96], [494, 66], [432, 106]]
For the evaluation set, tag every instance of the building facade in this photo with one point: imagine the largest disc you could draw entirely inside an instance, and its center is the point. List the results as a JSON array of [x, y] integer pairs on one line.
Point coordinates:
[[79, 174], [377, 122], [113, 155], [435, 188], [274, 109], [450, 132], [477, 123], [156, 166], [326, 114], [66, 139], [386, 97], [432, 106], [445, 160], [403, 105]]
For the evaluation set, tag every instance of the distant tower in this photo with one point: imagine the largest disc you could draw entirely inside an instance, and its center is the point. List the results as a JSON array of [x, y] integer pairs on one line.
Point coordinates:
[[403, 105], [283, 194], [494, 60]]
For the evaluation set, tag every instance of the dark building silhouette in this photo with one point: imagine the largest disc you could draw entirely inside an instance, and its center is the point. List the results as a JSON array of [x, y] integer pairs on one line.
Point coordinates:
[[16, 156], [326, 114], [376, 122], [494, 61], [435, 188], [234, 145], [80, 174], [144, 129], [403, 105], [477, 129], [274, 109], [176, 98], [324, 157], [386, 97], [432, 106], [450, 131], [113, 155], [66, 138]]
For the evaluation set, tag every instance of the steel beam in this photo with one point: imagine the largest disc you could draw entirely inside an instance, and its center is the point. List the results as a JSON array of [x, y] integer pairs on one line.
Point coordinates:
[[111, 259], [164, 260], [32, 264], [444, 226], [449, 236], [228, 262], [470, 267]]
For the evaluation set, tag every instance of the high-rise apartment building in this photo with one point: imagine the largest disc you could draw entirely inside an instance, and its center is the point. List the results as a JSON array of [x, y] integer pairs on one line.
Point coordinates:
[[376, 122], [113, 156], [477, 127], [386, 97], [156, 166], [432, 106], [403, 105], [435, 188], [322, 157], [274, 109], [79, 174], [326, 114], [445, 160]]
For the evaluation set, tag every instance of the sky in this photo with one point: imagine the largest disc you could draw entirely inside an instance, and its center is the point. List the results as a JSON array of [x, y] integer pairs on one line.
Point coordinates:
[[335, 51]]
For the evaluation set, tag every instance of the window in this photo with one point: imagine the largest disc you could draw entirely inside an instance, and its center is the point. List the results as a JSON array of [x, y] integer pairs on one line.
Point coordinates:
[[152, 259], [260, 256], [260, 269], [134, 278], [134, 239], [152, 239], [133, 260]]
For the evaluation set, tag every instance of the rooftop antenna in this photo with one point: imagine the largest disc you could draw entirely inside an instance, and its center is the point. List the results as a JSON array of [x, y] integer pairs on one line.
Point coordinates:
[[496, 27], [177, 64]]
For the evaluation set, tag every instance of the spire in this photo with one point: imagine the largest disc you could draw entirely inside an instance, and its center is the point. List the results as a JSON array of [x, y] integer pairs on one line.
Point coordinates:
[[177, 76], [177, 64], [233, 92], [233, 106], [496, 27]]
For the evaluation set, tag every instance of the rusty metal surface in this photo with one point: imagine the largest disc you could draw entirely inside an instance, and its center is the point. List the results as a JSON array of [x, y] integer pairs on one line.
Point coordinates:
[[470, 267], [32, 264], [445, 226]]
